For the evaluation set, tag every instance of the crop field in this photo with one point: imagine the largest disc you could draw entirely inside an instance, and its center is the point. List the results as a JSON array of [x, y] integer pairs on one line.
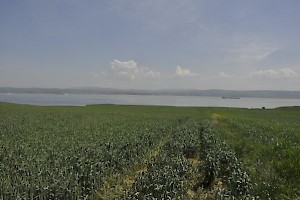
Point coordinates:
[[148, 152]]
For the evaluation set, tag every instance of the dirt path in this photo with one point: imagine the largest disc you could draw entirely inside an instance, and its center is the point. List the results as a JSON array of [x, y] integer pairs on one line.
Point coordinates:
[[118, 184]]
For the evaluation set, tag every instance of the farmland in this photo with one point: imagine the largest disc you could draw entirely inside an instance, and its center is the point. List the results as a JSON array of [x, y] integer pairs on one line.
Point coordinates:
[[146, 152]]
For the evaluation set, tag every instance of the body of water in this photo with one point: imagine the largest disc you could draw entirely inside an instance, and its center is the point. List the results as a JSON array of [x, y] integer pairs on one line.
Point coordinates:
[[84, 99]]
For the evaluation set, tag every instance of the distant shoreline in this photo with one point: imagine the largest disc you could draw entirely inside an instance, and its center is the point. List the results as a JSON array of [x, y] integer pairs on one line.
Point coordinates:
[[162, 100], [232, 94]]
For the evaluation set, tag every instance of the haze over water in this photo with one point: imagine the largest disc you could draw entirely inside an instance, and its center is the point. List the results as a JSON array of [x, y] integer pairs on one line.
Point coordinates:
[[81, 100]]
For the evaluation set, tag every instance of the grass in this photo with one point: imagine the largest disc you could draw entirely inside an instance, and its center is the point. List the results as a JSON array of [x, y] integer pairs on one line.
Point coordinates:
[[267, 142], [111, 151]]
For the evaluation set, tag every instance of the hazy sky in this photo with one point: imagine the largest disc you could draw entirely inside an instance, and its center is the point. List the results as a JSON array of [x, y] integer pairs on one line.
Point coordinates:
[[150, 44]]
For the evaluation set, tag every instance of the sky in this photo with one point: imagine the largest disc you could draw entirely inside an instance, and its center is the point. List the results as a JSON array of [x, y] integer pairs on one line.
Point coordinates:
[[150, 44]]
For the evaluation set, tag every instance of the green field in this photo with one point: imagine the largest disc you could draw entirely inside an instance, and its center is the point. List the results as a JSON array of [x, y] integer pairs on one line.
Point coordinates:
[[148, 152]]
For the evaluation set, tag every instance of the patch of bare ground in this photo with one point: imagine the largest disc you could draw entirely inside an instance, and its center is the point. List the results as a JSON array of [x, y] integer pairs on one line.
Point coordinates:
[[191, 193], [191, 181], [130, 180], [195, 189], [110, 190], [194, 161], [142, 169], [217, 184]]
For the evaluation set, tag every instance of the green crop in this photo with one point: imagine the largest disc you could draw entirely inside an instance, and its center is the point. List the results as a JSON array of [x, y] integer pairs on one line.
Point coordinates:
[[147, 152]]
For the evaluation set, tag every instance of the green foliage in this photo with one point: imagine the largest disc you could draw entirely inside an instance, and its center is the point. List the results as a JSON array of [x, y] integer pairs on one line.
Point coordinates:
[[148, 152], [267, 142], [56, 153], [221, 163], [167, 172]]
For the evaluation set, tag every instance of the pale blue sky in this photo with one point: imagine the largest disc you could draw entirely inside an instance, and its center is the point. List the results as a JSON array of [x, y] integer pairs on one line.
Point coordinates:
[[143, 44]]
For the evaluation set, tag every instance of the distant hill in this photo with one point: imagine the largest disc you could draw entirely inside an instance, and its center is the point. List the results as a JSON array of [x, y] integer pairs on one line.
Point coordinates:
[[168, 92]]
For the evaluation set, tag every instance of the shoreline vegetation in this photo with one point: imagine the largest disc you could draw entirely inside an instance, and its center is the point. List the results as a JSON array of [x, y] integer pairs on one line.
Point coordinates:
[[144, 152]]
